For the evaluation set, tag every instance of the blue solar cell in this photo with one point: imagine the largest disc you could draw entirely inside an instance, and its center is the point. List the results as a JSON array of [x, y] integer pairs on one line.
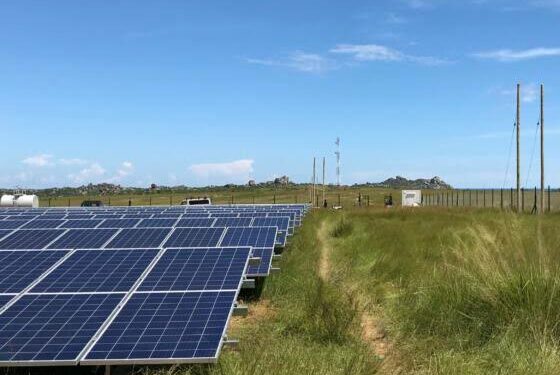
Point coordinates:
[[4, 233], [198, 269], [82, 223], [195, 222], [282, 223], [233, 222], [156, 223], [263, 269], [224, 214], [137, 216], [139, 238], [43, 224], [53, 216], [4, 299], [83, 239], [252, 214], [52, 327], [250, 236], [30, 239], [107, 216], [12, 224], [119, 223], [78, 216], [18, 269], [166, 326], [97, 271], [194, 237]]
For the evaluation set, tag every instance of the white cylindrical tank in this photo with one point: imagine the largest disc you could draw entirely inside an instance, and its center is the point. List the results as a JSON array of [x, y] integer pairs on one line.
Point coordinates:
[[7, 200], [27, 201]]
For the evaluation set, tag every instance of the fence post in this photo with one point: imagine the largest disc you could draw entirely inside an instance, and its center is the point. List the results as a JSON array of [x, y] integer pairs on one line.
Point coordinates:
[[511, 198], [150, 200], [548, 198], [492, 197], [522, 199], [295, 200], [232, 199], [476, 197], [484, 198], [68, 202], [339, 200], [457, 199], [274, 199], [502, 198]]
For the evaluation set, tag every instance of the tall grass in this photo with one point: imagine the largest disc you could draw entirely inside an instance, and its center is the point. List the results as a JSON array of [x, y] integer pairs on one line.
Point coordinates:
[[463, 291]]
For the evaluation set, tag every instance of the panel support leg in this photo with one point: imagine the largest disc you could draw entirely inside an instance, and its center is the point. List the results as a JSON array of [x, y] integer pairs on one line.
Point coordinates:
[[107, 369]]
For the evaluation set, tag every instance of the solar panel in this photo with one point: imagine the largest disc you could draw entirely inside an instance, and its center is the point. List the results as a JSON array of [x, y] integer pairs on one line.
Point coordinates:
[[156, 223], [97, 271], [30, 238], [168, 327], [282, 223], [43, 224], [4, 233], [78, 216], [53, 216], [233, 222], [263, 268], [12, 224], [18, 269], [137, 216], [107, 216], [198, 269], [139, 238], [47, 328], [195, 237], [281, 239], [195, 222], [250, 236], [4, 299], [82, 223], [83, 239], [119, 223]]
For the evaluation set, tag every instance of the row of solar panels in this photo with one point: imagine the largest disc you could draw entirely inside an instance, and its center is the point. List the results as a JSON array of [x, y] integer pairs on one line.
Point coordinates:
[[295, 216], [144, 238], [138, 295]]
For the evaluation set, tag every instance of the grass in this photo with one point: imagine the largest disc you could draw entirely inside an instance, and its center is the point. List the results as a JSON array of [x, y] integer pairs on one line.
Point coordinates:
[[466, 292]]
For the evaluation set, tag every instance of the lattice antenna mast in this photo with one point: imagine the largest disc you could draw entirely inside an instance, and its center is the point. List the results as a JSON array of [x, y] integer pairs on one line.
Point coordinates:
[[337, 153]]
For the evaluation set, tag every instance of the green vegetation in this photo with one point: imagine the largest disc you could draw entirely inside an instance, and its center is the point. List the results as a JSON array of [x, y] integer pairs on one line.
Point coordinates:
[[459, 291]]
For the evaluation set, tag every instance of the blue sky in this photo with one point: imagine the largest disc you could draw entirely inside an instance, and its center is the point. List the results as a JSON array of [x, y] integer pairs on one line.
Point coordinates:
[[211, 92]]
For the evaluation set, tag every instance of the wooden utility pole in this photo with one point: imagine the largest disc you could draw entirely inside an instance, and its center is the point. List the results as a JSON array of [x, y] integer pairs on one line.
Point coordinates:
[[324, 162], [541, 211], [314, 181], [518, 127]]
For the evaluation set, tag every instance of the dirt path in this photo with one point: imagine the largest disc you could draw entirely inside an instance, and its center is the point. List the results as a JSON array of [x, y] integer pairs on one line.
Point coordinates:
[[324, 260], [373, 332]]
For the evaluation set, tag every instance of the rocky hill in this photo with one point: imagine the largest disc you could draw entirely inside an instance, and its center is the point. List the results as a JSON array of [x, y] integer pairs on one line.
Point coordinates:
[[400, 182]]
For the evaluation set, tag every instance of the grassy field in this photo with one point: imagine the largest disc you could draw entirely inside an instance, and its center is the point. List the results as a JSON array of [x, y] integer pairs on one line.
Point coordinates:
[[346, 196]]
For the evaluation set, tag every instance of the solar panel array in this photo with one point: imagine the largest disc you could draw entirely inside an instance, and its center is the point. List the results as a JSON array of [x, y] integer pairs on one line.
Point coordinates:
[[138, 285]]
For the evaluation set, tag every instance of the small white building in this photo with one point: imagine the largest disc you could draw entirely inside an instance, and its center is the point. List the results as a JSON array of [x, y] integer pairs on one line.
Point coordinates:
[[411, 198], [19, 200]]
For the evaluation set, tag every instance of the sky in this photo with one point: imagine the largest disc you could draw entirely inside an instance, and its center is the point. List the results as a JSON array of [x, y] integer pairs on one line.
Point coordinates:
[[215, 92]]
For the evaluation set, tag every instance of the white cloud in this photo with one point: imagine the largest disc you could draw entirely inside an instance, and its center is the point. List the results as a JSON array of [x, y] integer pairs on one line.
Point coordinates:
[[126, 168], [234, 169], [508, 55], [72, 161], [90, 174], [529, 93], [376, 52], [41, 160], [368, 52], [395, 19], [300, 61]]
